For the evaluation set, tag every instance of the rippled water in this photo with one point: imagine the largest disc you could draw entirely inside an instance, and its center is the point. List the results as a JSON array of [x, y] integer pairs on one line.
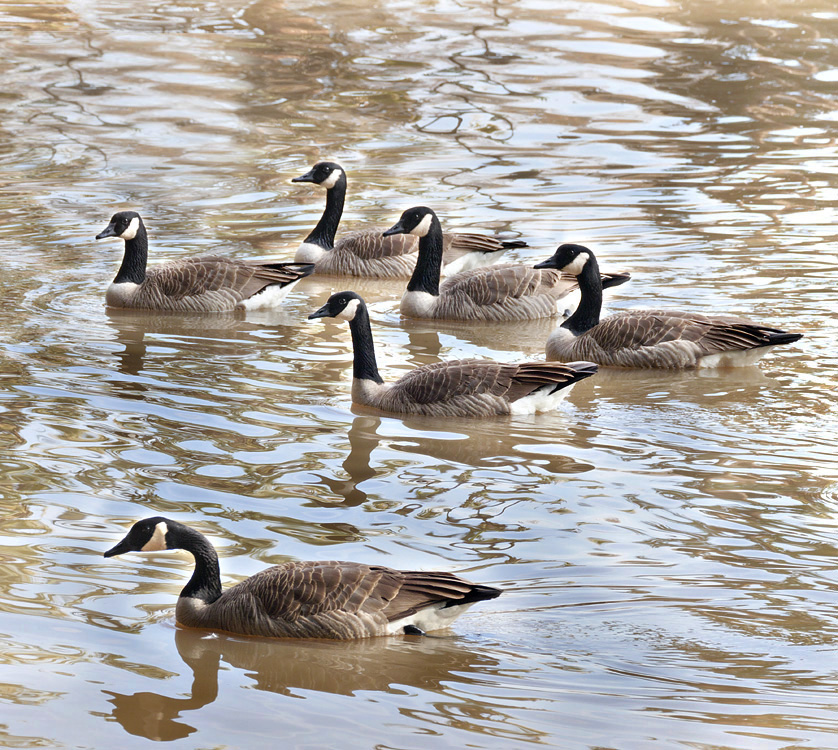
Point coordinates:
[[667, 541]]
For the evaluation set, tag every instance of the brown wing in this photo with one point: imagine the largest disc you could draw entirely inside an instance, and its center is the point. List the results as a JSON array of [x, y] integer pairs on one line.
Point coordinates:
[[455, 245], [496, 284], [531, 376], [370, 244], [712, 333], [443, 381], [421, 589], [306, 589], [191, 277]]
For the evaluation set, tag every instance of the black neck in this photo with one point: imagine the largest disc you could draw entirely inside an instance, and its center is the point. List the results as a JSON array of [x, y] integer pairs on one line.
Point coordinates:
[[425, 276], [135, 258], [205, 583], [590, 302], [364, 366], [323, 235]]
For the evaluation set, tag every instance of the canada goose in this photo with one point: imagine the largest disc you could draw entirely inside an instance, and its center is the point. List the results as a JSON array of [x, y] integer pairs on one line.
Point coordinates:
[[328, 599], [499, 293], [205, 283], [461, 388], [665, 339], [368, 252]]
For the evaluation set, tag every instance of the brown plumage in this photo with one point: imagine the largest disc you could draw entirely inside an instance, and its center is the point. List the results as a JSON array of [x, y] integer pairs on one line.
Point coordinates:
[[663, 339], [326, 599], [509, 292], [368, 253], [206, 283], [668, 339], [462, 388]]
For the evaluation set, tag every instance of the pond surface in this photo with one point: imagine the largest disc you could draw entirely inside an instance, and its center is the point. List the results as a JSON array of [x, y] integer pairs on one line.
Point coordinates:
[[667, 542]]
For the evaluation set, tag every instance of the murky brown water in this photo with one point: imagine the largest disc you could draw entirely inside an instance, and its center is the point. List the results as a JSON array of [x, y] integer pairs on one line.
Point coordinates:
[[668, 542]]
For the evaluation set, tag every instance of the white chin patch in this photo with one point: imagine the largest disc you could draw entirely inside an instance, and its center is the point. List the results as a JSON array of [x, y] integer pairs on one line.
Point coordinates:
[[577, 264], [423, 227], [331, 180], [158, 539], [132, 229], [348, 312]]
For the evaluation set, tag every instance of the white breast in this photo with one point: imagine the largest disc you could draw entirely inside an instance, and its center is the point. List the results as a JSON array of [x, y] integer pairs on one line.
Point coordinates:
[[308, 252], [118, 295], [418, 304]]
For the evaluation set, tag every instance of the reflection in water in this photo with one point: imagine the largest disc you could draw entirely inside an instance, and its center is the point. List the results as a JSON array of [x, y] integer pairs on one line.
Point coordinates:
[[363, 440], [296, 667]]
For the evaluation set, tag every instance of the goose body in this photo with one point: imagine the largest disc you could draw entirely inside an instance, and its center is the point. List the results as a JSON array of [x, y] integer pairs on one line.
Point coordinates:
[[508, 292], [663, 339], [461, 388], [370, 254], [204, 283], [324, 599]]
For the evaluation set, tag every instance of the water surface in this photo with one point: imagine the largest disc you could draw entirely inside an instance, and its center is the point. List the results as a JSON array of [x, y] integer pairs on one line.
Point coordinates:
[[667, 541]]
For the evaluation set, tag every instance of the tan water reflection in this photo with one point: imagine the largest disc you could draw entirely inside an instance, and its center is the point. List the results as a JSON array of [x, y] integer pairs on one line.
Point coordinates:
[[297, 668], [667, 540]]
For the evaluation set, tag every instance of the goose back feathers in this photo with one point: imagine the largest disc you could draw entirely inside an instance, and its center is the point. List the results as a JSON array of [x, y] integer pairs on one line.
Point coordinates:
[[508, 292], [205, 283], [368, 253], [665, 339], [324, 599], [461, 388]]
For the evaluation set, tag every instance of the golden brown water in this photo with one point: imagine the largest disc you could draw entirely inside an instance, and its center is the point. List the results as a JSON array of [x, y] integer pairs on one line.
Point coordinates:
[[667, 541]]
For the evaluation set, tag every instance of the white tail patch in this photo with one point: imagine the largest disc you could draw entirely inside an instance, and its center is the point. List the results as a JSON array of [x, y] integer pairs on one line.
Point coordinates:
[[423, 227], [158, 539], [738, 358], [132, 229], [435, 617], [538, 401], [269, 298], [332, 179]]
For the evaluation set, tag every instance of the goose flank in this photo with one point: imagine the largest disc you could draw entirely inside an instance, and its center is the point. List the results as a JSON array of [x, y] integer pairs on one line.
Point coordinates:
[[324, 599], [664, 339], [204, 283], [460, 388], [508, 292], [370, 254]]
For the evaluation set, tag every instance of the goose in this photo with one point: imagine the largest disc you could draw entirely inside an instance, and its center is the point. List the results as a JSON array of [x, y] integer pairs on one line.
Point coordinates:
[[459, 388], [368, 253], [325, 599], [664, 339], [205, 283], [500, 293]]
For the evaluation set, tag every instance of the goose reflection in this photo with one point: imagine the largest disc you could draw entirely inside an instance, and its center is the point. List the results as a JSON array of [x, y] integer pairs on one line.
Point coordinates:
[[293, 667], [223, 333], [363, 440]]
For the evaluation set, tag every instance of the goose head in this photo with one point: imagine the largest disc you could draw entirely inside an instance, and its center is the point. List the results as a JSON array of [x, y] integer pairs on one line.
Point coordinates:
[[325, 174], [124, 224], [148, 535], [568, 258], [343, 305], [416, 221]]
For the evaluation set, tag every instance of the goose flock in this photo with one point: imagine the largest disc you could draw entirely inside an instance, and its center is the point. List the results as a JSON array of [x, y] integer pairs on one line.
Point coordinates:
[[348, 600]]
